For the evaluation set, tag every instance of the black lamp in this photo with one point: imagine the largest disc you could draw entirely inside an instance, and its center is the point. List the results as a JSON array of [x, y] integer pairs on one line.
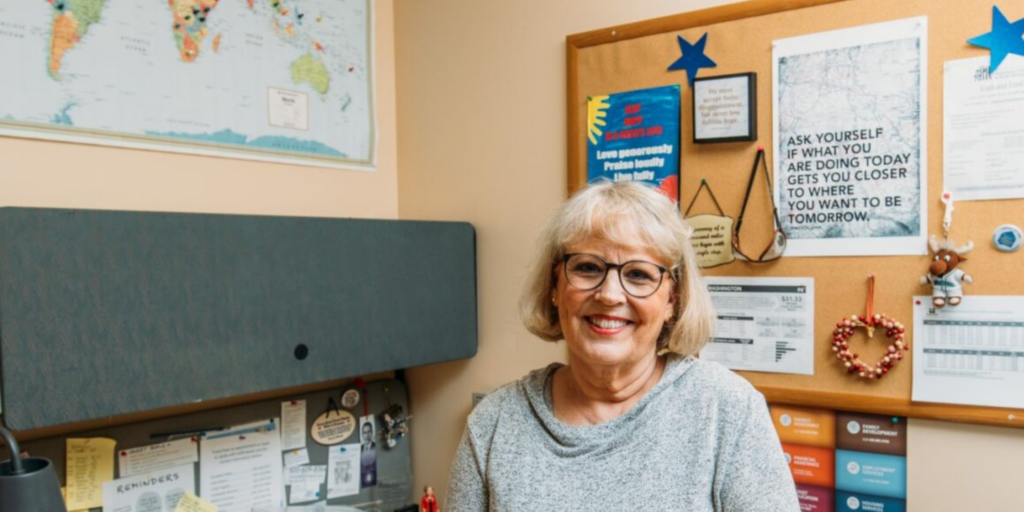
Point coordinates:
[[28, 484]]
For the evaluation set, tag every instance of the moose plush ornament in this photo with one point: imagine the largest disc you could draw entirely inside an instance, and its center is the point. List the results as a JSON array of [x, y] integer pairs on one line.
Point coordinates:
[[946, 279], [944, 273]]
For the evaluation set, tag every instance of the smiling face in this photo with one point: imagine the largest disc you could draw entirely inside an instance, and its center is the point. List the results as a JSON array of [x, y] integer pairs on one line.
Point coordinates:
[[606, 326]]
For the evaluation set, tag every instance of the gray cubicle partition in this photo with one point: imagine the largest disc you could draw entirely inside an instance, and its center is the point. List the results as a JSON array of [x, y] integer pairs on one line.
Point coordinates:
[[394, 468], [104, 313]]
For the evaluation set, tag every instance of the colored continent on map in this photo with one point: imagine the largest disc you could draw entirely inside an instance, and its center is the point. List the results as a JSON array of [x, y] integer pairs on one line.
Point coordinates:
[[279, 7], [71, 21], [311, 69], [190, 25]]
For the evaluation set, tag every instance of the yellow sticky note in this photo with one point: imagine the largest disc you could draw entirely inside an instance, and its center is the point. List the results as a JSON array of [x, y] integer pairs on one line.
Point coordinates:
[[90, 463], [192, 503]]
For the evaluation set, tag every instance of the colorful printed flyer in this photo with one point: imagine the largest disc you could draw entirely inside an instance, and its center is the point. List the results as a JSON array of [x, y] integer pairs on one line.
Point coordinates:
[[634, 136], [871, 473], [804, 426], [842, 461], [811, 465], [816, 499]]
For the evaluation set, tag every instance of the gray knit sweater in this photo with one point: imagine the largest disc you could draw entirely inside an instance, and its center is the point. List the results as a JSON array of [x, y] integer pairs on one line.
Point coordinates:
[[700, 440]]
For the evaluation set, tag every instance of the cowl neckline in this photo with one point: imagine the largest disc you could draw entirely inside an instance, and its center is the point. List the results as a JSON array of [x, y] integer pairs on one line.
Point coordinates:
[[574, 440]]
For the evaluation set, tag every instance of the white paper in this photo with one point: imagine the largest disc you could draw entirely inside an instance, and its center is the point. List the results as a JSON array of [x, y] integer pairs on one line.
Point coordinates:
[[296, 458], [150, 492], [971, 354], [343, 470], [157, 457], [765, 324], [983, 137], [300, 474], [850, 130], [293, 425], [243, 470], [287, 109], [303, 493]]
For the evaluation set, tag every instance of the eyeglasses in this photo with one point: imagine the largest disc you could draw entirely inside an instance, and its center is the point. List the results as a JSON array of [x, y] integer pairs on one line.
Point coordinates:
[[638, 278]]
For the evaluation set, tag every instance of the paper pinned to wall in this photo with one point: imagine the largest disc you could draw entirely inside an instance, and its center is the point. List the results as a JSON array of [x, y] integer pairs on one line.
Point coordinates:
[[300, 474], [192, 503], [971, 354], [982, 142], [343, 471], [296, 458], [851, 169], [148, 492], [303, 493], [157, 457], [765, 324], [242, 471], [293, 425], [89, 463]]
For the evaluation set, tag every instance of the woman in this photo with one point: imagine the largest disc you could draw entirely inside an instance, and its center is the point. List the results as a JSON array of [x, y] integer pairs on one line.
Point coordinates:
[[633, 421]]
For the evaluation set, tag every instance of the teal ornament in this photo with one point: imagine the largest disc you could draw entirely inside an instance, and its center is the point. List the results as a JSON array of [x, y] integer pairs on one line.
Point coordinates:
[[1007, 238], [693, 58], [1004, 39]]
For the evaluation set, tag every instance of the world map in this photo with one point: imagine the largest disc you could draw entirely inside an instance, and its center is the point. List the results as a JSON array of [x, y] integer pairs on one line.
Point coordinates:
[[279, 80]]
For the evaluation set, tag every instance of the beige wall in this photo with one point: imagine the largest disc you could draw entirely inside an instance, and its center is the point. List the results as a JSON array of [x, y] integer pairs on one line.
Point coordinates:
[[35, 173], [482, 128]]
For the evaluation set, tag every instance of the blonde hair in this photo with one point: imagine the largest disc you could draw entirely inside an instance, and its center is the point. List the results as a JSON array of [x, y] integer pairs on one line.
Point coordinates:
[[625, 213]]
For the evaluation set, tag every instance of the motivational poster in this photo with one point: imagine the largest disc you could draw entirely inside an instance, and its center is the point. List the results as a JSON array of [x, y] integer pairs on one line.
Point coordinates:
[[850, 140], [634, 136]]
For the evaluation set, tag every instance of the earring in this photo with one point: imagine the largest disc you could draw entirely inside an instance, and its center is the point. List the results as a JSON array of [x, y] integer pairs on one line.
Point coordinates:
[[554, 302]]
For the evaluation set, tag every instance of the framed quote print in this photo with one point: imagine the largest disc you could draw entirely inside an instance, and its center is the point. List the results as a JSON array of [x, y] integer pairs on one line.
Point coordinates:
[[725, 108]]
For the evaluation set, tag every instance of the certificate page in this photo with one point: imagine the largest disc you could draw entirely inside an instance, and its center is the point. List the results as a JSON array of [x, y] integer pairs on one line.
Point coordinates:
[[764, 324], [971, 354]]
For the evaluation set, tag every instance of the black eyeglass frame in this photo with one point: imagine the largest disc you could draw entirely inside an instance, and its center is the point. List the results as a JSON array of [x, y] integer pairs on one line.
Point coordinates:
[[618, 266]]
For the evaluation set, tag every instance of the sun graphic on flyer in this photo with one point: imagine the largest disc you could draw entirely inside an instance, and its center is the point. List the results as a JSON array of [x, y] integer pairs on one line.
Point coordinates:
[[597, 109]]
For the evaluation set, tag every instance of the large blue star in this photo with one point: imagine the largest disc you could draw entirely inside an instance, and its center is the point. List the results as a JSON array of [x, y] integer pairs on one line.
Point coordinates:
[[693, 58], [1004, 39]]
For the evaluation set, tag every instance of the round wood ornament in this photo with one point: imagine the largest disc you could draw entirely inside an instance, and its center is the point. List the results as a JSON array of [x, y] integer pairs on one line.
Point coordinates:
[[332, 427], [894, 332]]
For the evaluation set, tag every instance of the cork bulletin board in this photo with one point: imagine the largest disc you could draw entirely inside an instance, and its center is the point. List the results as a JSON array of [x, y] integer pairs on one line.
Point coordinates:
[[636, 56]]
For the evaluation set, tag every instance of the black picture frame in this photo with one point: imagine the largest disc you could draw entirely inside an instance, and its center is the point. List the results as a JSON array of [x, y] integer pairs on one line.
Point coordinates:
[[703, 95]]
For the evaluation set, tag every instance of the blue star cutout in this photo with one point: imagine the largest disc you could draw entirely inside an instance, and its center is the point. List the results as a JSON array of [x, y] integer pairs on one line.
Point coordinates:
[[1004, 39], [693, 58]]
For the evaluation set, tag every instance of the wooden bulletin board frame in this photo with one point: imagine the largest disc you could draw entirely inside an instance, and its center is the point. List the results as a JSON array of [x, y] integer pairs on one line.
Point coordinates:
[[637, 55]]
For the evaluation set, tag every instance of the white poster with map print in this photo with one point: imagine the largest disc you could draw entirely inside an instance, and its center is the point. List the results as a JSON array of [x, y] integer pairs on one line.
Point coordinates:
[[850, 140], [276, 80]]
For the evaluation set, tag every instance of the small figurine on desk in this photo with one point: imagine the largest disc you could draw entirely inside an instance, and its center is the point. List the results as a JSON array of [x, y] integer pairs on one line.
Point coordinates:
[[396, 425], [944, 276], [429, 501]]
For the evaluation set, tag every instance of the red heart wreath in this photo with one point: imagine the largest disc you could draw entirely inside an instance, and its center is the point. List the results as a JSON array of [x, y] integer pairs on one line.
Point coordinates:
[[893, 330]]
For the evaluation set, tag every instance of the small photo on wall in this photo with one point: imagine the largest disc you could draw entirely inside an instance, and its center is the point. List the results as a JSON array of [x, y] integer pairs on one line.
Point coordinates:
[[367, 452]]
